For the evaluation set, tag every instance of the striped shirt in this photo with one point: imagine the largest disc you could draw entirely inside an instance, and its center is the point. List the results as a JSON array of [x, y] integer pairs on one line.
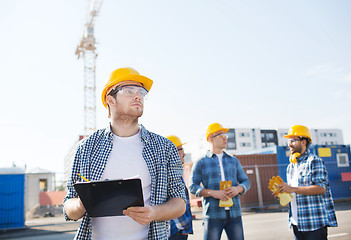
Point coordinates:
[[163, 162], [313, 211]]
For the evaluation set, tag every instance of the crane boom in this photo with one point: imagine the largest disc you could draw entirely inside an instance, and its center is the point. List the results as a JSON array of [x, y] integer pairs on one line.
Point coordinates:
[[87, 50]]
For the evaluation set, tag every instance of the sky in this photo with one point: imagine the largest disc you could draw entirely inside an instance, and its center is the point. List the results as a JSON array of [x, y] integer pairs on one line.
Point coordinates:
[[245, 64]]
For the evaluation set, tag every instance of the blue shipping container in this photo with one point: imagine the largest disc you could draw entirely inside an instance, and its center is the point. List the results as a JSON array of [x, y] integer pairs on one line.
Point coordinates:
[[11, 200], [337, 161]]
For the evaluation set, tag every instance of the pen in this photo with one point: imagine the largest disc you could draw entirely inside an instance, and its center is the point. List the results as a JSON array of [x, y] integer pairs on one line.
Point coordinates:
[[83, 177]]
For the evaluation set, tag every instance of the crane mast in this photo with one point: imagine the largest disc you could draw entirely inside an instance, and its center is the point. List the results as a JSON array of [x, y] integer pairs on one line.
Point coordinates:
[[87, 50]]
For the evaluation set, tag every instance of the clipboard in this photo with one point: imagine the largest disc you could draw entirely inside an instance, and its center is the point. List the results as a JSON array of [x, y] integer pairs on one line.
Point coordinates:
[[110, 197]]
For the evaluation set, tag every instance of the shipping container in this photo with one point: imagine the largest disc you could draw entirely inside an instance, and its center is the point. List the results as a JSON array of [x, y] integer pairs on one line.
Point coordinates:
[[12, 198], [337, 162], [259, 168], [283, 154]]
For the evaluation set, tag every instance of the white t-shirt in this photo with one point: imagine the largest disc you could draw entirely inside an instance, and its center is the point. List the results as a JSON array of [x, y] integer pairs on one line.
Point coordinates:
[[220, 156], [125, 161], [294, 183]]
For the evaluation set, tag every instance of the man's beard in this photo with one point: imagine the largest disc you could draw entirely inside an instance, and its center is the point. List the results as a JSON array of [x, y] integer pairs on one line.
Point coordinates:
[[297, 149], [129, 115]]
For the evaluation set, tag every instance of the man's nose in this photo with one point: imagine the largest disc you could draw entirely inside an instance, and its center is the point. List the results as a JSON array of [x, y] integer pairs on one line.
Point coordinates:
[[138, 96]]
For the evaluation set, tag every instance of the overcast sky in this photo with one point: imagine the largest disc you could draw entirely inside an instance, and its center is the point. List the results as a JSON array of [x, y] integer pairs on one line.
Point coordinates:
[[245, 64]]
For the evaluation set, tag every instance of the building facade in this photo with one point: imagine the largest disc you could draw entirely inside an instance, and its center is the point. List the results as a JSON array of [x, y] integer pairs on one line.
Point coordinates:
[[250, 140], [37, 180]]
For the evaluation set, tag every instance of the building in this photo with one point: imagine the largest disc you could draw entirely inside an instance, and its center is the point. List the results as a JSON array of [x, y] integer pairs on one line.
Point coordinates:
[[250, 140], [37, 180]]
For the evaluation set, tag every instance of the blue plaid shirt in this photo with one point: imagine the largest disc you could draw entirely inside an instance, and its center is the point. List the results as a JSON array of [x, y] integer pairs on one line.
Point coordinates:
[[313, 211], [163, 162], [184, 223], [207, 171]]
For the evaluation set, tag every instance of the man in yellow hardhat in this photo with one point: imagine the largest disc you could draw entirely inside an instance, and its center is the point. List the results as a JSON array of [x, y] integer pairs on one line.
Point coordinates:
[[312, 209], [182, 226], [216, 167], [123, 150]]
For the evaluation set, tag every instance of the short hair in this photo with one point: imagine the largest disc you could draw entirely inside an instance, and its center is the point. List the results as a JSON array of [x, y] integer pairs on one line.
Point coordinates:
[[308, 142]]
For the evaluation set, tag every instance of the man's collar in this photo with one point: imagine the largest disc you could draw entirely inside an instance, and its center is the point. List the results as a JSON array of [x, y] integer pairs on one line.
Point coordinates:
[[211, 154], [144, 133], [304, 155], [108, 131]]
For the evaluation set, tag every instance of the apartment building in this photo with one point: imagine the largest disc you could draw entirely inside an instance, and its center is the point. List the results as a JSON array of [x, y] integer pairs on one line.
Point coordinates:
[[246, 140]]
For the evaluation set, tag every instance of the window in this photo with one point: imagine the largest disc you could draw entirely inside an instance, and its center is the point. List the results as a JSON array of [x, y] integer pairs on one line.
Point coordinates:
[[230, 145], [43, 185], [243, 144], [244, 134], [342, 160], [230, 134], [269, 136]]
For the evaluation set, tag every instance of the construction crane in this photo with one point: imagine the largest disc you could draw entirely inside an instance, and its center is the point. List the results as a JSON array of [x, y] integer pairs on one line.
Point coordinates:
[[87, 50]]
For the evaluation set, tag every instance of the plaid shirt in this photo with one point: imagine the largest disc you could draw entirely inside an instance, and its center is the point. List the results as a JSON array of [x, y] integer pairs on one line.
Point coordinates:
[[313, 211], [184, 223], [207, 171], [163, 162]]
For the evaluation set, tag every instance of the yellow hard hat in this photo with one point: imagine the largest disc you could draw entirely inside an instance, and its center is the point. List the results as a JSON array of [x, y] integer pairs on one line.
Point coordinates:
[[215, 127], [299, 131], [175, 140], [124, 74]]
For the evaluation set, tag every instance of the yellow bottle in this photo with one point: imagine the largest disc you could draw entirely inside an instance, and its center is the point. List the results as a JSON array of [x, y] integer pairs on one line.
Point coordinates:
[[229, 202]]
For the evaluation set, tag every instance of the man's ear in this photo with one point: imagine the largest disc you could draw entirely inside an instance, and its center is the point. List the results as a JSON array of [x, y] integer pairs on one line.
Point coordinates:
[[110, 100]]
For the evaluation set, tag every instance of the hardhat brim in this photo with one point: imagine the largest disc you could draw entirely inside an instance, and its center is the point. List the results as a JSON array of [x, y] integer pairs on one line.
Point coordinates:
[[292, 136], [289, 136], [221, 129], [145, 81]]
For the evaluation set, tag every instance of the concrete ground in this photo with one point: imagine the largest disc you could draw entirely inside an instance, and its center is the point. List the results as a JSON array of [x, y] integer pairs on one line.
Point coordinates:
[[269, 224]]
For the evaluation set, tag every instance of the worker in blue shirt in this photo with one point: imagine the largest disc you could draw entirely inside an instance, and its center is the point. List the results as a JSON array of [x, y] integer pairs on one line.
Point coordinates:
[[182, 226], [312, 209], [209, 171]]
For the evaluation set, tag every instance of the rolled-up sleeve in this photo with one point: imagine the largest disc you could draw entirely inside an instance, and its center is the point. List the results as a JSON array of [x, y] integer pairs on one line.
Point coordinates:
[[319, 173]]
